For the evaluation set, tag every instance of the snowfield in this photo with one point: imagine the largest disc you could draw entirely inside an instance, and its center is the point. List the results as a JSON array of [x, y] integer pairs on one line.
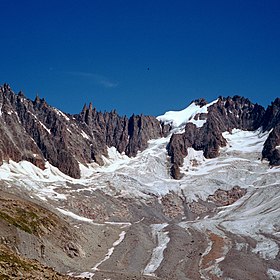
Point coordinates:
[[180, 118]]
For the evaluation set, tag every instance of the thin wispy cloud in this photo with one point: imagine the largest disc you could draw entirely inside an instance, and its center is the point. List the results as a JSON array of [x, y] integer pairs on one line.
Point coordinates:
[[96, 78]]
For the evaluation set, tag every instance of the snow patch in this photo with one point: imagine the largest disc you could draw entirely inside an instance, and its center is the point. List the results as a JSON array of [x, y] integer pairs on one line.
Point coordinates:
[[26, 170], [87, 170], [245, 141], [49, 192], [61, 114], [42, 182], [122, 224], [47, 129], [114, 161], [180, 118], [85, 135], [157, 255], [74, 216], [84, 275], [193, 160], [273, 274], [111, 250]]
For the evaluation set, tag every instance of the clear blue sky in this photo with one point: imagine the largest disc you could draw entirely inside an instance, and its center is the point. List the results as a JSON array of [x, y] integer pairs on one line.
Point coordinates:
[[73, 52]]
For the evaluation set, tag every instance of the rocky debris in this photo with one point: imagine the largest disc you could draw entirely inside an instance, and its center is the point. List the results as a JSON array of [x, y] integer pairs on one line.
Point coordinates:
[[27, 216], [197, 208], [14, 266], [224, 198], [224, 115], [218, 246], [172, 205], [241, 263], [98, 207], [72, 250], [33, 231], [182, 255], [115, 275]]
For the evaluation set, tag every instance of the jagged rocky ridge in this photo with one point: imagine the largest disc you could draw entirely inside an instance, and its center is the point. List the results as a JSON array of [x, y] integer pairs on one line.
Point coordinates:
[[224, 115], [36, 132]]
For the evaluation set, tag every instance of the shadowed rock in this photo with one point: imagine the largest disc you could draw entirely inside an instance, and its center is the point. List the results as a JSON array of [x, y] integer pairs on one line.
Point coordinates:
[[37, 132]]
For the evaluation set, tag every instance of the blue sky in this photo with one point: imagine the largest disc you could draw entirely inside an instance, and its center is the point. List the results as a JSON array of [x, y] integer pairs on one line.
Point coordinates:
[[140, 56]]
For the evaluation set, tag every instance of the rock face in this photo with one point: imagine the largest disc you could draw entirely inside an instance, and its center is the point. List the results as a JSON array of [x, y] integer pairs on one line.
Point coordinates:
[[271, 122], [37, 132], [140, 130], [127, 135], [224, 115]]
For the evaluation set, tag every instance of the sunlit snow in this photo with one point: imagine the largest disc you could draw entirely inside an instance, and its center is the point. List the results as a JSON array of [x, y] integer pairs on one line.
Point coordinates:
[[162, 240], [111, 250], [179, 118], [74, 216]]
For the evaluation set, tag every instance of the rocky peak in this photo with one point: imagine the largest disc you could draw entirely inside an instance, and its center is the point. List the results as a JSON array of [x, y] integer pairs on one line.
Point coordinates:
[[37, 132], [37, 100], [140, 130], [271, 122], [272, 115], [200, 102], [224, 115], [5, 88]]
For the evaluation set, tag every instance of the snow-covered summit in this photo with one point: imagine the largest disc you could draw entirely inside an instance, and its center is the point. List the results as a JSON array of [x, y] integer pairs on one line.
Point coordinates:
[[179, 118]]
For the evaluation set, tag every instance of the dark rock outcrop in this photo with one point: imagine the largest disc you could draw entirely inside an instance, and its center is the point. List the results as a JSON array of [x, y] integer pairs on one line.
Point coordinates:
[[271, 147], [37, 132], [271, 117], [127, 135], [224, 198], [271, 122], [224, 115], [140, 130]]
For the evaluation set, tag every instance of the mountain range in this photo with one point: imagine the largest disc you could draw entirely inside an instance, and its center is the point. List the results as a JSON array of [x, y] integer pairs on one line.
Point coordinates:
[[191, 194], [36, 132]]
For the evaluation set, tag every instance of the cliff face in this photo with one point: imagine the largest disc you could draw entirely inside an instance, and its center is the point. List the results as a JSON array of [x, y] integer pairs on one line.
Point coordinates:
[[35, 131], [128, 135], [271, 122], [224, 115]]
